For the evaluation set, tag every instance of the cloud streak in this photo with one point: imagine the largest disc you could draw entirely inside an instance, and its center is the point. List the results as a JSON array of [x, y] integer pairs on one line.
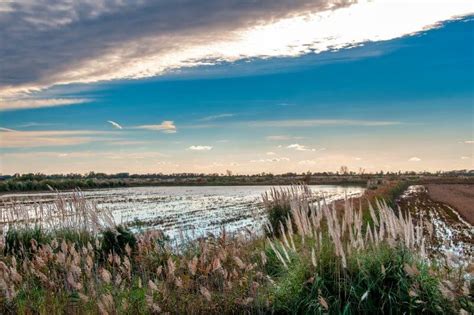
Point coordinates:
[[216, 117], [166, 126], [282, 138], [9, 104], [31, 139], [294, 123], [115, 124], [272, 160], [200, 148], [299, 147], [46, 43]]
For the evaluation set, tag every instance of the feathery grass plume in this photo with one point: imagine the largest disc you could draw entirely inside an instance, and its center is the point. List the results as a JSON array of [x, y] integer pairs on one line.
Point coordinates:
[[205, 292], [278, 254]]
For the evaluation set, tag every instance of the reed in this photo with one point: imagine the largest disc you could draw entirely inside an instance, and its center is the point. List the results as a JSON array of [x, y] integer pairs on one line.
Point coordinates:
[[341, 264]]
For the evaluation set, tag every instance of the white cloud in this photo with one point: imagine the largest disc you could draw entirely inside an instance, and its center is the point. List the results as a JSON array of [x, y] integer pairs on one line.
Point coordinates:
[[115, 124], [414, 159], [465, 157], [168, 42], [167, 126], [270, 153], [16, 104], [299, 147], [200, 148], [469, 142], [272, 160]]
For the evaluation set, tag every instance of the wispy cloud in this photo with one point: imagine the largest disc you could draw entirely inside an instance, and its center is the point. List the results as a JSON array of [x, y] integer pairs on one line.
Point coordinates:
[[282, 138], [115, 124], [300, 147], [6, 129], [166, 126], [216, 117], [271, 160], [295, 123], [127, 142], [37, 124], [107, 40], [200, 148], [112, 155], [29, 139], [308, 162], [8, 104], [414, 159], [469, 142], [465, 158]]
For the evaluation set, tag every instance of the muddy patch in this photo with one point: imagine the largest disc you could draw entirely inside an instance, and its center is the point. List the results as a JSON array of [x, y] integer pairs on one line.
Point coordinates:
[[449, 235]]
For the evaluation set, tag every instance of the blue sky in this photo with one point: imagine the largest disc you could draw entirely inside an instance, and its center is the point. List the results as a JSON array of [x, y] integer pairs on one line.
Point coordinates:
[[406, 103]]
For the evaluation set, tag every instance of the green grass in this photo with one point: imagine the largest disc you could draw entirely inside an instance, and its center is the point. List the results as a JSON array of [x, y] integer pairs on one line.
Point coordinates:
[[363, 288]]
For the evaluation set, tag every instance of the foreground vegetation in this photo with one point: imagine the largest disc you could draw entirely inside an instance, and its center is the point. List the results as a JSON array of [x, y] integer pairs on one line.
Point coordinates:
[[348, 258]]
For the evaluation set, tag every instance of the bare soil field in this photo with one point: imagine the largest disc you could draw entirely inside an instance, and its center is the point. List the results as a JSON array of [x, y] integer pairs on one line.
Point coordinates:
[[458, 196]]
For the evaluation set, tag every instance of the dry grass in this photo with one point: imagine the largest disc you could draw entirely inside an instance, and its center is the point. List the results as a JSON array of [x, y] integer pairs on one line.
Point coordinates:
[[72, 211]]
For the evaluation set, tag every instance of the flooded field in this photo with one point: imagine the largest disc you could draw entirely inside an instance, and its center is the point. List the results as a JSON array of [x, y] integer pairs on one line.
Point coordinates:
[[194, 211], [450, 235]]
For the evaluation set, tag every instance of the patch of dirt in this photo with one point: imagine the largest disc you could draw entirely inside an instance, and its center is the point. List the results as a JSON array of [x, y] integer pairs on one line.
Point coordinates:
[[458, 196]]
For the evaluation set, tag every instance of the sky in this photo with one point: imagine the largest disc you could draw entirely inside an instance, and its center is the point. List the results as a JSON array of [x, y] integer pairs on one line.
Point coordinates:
[[275, 86]]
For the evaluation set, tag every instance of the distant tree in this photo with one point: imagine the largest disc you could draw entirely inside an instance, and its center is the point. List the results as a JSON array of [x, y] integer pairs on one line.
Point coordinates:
[[307, 177], [344, 170]]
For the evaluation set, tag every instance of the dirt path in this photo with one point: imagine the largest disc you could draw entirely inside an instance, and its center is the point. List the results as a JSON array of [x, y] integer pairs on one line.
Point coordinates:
[[458, 196]]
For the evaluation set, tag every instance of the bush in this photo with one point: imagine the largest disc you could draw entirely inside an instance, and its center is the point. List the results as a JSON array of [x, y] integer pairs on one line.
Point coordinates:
[[382, 280], [276, 215], [116, 240], [20, 242]]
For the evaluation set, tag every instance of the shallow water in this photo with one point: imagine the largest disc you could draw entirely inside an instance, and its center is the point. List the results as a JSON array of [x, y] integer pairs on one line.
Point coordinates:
[[194, 210], [452, 237]]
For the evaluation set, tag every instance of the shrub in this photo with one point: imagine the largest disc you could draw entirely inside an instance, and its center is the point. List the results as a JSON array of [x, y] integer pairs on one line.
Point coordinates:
[[115, 240], [277, 205], [20, 242]]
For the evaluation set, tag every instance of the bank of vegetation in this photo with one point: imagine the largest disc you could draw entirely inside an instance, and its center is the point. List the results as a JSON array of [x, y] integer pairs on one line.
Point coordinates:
[[42, 182]]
